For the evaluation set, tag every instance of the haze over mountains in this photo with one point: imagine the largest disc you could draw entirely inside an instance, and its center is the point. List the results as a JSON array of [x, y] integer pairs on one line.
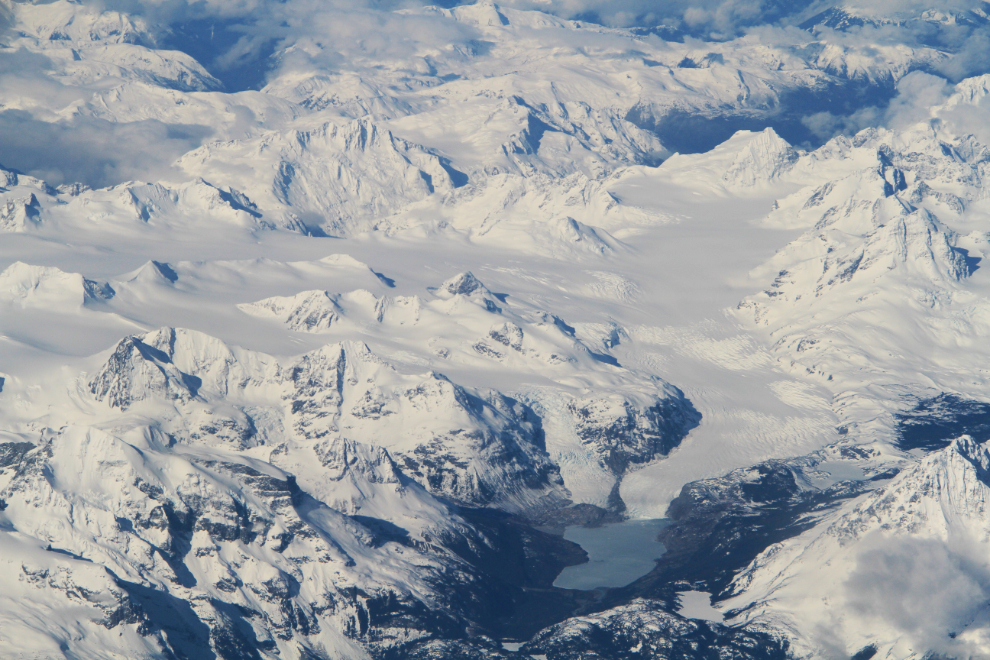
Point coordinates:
[[320, 322]]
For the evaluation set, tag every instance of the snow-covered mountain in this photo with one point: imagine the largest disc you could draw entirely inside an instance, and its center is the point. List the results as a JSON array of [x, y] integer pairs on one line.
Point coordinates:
[[323, 327], [49, 287], [855, 578], [888, 251]]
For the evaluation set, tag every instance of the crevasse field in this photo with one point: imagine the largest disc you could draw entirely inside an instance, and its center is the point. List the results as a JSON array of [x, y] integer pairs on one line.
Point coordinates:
[[353, 330]]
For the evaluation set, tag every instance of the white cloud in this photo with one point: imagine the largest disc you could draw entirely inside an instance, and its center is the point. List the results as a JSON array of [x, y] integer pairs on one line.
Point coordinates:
[[917, 94], [92, 151], [925, 591]]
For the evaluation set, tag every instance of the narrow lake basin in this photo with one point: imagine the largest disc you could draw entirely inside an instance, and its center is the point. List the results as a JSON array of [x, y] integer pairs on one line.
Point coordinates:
[[617, 554]]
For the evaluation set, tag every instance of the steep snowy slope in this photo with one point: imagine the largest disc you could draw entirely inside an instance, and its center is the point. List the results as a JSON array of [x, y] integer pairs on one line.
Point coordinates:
[[746, 162], [605, 419], [25, 285], [21, 206], [884, 267], [234, 458], [85, 45], [457, 443], [901, 570], [339, 177], [122, 545]]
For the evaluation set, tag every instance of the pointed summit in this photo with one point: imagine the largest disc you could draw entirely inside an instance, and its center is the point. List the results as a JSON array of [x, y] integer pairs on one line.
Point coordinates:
[[467, 285], [464, 284], [153, 272], [765, 157]]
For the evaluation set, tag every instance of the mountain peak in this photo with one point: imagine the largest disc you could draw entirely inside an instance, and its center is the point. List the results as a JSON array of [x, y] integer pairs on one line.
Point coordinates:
[[765, 157], [153, 272], [975, 452], [464, 284]]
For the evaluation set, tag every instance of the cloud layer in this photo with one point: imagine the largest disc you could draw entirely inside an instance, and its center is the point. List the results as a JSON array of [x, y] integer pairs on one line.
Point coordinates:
[[927, 591], [92, 151]]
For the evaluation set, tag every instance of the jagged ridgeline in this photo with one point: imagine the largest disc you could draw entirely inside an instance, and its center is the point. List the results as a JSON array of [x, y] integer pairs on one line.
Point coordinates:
[[326, 504]]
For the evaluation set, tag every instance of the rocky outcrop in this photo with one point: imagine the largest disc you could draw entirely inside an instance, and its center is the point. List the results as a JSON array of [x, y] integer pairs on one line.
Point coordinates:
[[478, 448], [214, 554], [310, 311], [645, 629], [471, 288], [481, 448], [19, 215], [623, 433], [136, 371]]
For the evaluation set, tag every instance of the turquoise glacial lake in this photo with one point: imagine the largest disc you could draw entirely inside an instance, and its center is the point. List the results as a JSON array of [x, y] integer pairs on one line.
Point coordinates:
[[617, 554]]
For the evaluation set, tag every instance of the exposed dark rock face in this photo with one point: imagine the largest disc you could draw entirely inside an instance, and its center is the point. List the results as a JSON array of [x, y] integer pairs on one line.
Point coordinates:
[[11, 453], [933, 423], [466, 649], [492, 575], [264, 542], [469, 286], [464, 285], [644, 629], [507, 433], [481, 448], [621, 433]]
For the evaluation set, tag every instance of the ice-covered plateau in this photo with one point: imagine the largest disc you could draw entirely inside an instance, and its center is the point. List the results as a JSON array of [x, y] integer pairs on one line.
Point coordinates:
[[576, 273]]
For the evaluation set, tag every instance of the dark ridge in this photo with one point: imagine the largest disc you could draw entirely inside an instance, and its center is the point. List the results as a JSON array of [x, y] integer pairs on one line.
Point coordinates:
[[387, 281], [239, 201], [647, 630], [562, 325], [933, 423], [11, 453], [459, 649], [866, 652], [67, 553], [605, 358], [166, 271]]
